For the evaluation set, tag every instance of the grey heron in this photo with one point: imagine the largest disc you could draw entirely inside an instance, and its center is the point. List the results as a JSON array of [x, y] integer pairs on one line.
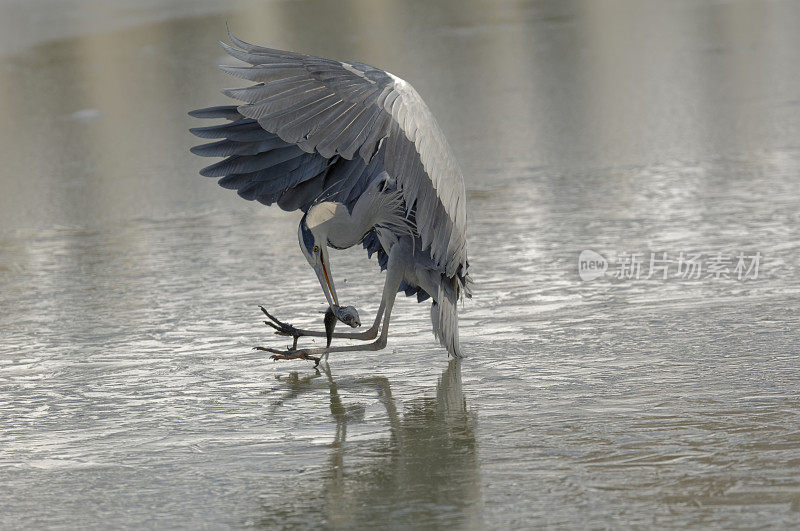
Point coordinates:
[[358, 151]]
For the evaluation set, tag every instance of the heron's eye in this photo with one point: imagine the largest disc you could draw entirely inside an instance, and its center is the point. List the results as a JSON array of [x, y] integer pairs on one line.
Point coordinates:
[[316, 249]]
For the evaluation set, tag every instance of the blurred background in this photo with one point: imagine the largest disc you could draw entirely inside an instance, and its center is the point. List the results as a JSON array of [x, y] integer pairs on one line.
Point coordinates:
[[129, 285]]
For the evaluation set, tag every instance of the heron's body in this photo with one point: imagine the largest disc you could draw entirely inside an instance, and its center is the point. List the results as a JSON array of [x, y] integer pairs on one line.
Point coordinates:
[[358, 151]]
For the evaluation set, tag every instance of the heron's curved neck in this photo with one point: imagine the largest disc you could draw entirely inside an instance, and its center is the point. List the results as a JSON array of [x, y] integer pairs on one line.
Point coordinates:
[[345, 229]]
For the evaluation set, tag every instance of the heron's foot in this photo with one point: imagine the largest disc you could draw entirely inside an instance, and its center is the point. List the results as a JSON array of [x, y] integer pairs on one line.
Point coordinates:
[[281, 328], [290, 355]]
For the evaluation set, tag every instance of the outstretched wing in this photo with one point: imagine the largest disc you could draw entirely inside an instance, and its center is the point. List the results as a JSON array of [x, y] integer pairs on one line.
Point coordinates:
[[262, 167], [326, 111]]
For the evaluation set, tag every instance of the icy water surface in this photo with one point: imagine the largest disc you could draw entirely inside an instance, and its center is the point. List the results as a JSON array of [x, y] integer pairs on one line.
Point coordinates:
[[129, 285]]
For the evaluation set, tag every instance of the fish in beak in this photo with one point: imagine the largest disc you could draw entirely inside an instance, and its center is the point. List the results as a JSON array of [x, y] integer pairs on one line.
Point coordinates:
[[346, 314]]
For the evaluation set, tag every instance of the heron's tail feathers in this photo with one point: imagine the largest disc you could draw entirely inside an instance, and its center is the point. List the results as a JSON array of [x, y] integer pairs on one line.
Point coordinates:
[[444, 316]]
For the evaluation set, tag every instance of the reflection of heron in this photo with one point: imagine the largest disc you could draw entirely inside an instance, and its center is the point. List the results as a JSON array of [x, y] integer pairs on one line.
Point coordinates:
[[424, 474], [359, 152]]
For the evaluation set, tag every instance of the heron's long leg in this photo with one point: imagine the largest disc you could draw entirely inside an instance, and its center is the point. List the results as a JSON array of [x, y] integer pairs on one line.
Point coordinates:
[[394, 276], [285, 329]]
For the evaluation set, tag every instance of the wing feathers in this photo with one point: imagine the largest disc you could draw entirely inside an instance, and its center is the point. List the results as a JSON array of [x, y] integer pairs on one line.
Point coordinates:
[[328, 114], [251, 163], [226, 111], [226, 148]]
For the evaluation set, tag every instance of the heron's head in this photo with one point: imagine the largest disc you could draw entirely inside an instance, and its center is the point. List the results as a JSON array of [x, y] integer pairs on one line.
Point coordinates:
[[313, 236]]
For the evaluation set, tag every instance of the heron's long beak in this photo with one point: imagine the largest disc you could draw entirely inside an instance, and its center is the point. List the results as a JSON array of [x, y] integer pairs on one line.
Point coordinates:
[[322, 269]]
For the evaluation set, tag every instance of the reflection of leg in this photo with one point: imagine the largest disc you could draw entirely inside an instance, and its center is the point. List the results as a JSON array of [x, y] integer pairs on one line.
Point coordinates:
[[394, 276], [337, 409], [296, 387], [334, 478], [384, 390]]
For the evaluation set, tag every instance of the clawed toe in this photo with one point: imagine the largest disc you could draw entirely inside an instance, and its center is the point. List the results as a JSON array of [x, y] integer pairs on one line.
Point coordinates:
[[284, 329], [289, 355], [281, 328]]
